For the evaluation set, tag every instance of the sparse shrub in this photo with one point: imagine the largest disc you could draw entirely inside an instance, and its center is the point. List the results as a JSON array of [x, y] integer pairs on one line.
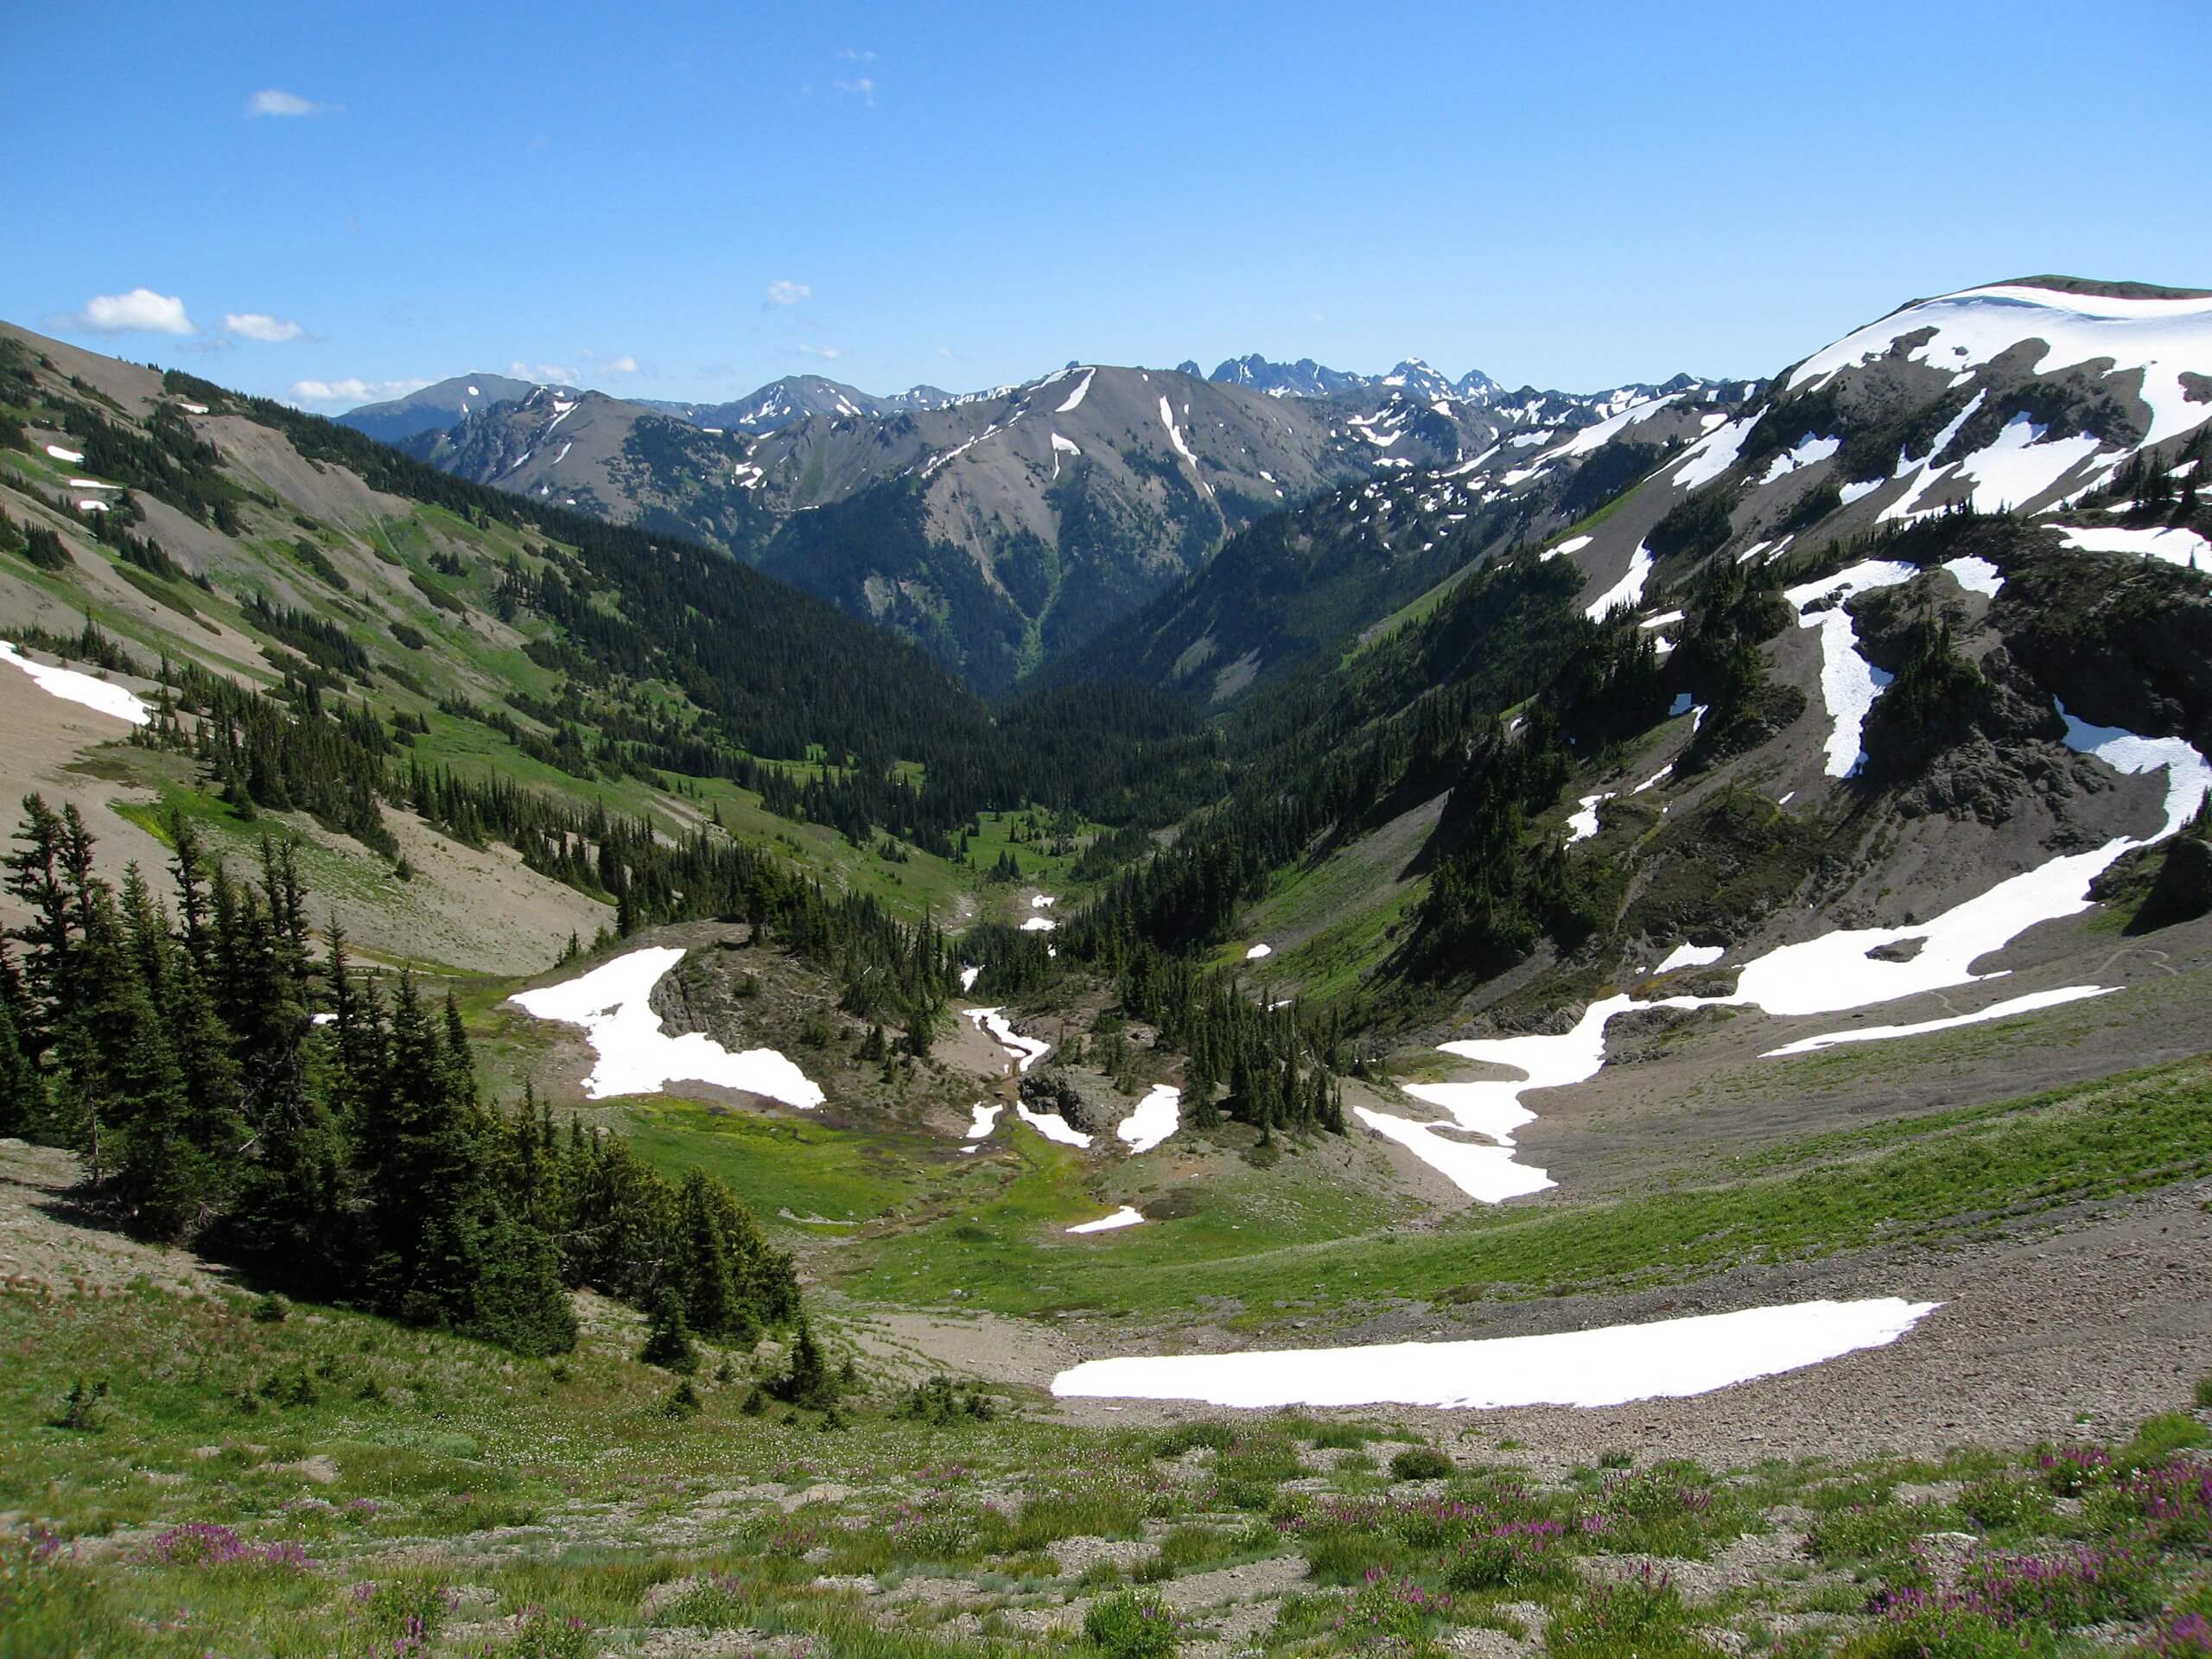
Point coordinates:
[[1131, 1625], [2004, 1503], [1511, 1555], [1421, 1462], [84, 1408], [939, 1401], [271, 1309], [544, 1636], [756, 1402], [2204, 1393], [682, 1402], [1215, 1437], [1644, 1617]]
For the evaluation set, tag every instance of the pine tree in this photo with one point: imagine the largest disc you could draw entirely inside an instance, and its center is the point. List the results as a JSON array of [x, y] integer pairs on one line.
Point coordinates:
[[668, 1339]]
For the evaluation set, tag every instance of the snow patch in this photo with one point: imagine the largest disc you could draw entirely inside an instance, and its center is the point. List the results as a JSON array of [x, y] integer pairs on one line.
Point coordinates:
[[1582, 825], [1690, 955], [1629, 590], [1075, 398], [71, 686], [2027, 1004], [1259, 951], [1026, 1051], [1126, 1215], [1976, 575], [636, 1057], [1052, 1126], [74, 457], [1849, 684], [2174, 546], [1611, 1365], [1153, 1120]]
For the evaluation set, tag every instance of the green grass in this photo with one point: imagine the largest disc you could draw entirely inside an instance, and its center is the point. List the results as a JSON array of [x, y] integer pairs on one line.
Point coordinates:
[[774, 1163], [2127, 1134]]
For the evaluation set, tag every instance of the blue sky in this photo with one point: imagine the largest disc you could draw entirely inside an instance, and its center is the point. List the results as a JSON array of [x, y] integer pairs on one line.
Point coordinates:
[[686, 201]]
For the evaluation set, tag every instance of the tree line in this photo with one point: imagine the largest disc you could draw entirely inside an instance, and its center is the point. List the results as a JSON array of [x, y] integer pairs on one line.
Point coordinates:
[[227, 1084]]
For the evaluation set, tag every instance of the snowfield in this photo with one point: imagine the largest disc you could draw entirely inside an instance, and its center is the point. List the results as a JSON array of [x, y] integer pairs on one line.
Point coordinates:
[[74, 457], [2165, 338], [1153, 1120], [1124, 1216], [71, 686], [636, 1057], [982, 1117], [1690, 955], [1609, 1366]]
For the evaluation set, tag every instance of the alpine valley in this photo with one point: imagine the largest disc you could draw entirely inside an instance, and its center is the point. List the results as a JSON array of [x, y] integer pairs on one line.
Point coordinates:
[[1271, 1012]]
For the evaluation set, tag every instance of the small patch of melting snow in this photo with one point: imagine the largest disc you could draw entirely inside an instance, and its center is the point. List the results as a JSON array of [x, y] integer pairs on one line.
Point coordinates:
[[1611, 1365], [1976, 575], [982, 1116], [2173, 544], [1657, 777], [1075, 398], [636, 1057], [2005, 1010], [1690, 955], [1038, 924], [969, 976], [1582, 825], [2188, 775], [1664, 620], [1126, 1215], [101, 697], [1026, 1051], [74, 457], [1258, 951], [1052, 1126], [1629, 590], [1849, 684], [1153, 1120], [87, 505], [1043, 900]]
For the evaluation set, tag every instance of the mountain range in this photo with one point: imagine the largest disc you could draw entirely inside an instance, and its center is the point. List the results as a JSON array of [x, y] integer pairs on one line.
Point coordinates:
[[1002, 529]]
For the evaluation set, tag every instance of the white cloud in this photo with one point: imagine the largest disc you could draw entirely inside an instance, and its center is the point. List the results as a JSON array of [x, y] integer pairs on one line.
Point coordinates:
[[351, 389], [944, 350], [554, 374], [140, 309], [850, 56], [784, 291], [822, 351], [259, 325], [272, 102], [623, 365], [863, 89]]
